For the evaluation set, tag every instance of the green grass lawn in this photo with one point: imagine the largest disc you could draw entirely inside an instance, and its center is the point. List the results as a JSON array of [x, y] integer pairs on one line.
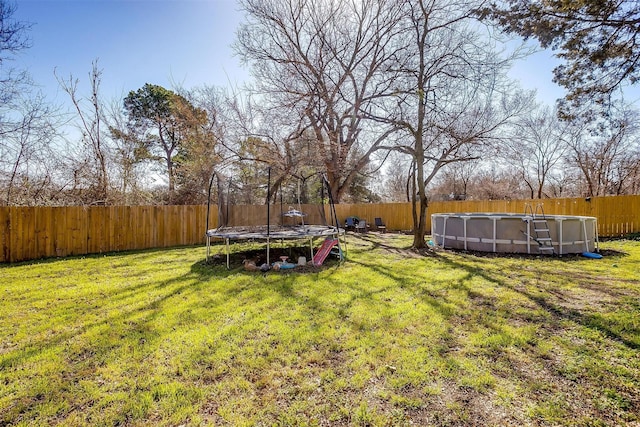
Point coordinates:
[[388, 338]]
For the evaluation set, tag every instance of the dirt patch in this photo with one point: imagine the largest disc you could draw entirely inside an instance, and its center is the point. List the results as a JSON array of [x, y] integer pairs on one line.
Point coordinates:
[[387, 242]]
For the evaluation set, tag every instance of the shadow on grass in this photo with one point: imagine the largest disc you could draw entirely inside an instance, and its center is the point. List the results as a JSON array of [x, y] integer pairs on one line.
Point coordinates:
[[585, 280], [384, 241], [186, 283], [558, 311], [330, 296], [113, 254], [550, 301], [548, 376], [607, 253]]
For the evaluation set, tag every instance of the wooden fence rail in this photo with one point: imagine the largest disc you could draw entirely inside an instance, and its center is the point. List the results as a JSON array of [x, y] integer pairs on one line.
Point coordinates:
[[39, 232], [617, 216]]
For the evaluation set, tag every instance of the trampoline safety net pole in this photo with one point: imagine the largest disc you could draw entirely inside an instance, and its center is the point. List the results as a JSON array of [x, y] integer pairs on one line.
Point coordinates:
[[334, 215], [208, 247], [206, 229], [268, 212]]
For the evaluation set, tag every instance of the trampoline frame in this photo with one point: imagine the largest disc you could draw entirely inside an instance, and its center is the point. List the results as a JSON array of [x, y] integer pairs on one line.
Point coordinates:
[[270, 232], [260, 233]]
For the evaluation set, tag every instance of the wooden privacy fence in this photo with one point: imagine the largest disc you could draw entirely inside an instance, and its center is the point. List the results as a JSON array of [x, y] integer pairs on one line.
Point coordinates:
[[39, 232], [617, 215]]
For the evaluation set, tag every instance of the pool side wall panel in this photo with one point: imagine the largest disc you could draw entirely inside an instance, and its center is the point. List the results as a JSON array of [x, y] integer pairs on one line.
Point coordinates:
[[507, 233]]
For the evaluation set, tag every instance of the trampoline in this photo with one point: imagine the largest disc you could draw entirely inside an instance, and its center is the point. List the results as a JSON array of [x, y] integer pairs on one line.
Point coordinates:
[[271, 232], [275, 233]]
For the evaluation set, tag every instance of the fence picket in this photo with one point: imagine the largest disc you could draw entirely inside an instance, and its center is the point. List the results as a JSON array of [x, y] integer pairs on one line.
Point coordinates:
[[37, 232], [5, 235]]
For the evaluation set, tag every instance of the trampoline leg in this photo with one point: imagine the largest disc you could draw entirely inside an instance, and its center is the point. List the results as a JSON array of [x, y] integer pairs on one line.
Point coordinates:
[[227, 244], [343, 253], [346, 249], [268, 249]]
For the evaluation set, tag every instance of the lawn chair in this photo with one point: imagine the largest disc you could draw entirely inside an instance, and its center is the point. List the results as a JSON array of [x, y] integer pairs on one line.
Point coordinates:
[[350, 223], [380, 225], [361, 226]]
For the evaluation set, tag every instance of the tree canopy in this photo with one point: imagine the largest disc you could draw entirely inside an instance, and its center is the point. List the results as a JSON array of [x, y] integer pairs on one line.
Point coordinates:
[[597, 39], [13, 39], [322, 64], [13, 34], [165, 122], [404, 100]]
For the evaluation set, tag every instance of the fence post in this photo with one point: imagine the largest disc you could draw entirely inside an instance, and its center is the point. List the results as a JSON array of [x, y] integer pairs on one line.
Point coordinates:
[[36, 232], [5, 229]]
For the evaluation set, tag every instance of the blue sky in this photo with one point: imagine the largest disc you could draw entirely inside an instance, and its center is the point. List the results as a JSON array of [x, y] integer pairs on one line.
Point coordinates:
[[135, 42], [162, 42]]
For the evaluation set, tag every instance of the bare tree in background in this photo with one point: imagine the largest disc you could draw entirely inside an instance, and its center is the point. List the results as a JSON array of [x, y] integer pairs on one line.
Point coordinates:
[[203, 153], [25, 150], [536, 148], [452, 98], [90, 117], [455, 180], [27, 123], [130, 160], [289, 152], [325, 65], [259, 139], [13, 39], [607, 155], [397, 178], [496, 183]]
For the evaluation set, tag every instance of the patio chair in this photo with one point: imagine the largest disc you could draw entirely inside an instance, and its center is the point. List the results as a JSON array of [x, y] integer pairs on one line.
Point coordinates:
[[361, 226], [380, 226], [350, 223]]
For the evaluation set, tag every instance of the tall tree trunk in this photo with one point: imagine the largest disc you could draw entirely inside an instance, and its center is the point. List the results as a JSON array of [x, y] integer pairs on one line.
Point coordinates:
[[171, 177], [419, 230]]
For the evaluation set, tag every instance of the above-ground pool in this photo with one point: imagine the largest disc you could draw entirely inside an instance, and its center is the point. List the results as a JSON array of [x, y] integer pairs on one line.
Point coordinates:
[[515, 233]]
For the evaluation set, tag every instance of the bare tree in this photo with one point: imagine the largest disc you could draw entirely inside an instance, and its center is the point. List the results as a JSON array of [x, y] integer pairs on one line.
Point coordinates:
[[451, 100], [289, 152], [259, 139], [90, 116], [324, 65], [397, 178], [130, 159], [202, 154], [495, 183], [606, 154], [455, 180], [536, 148], [27, 122], [25, 148], [13, 39]]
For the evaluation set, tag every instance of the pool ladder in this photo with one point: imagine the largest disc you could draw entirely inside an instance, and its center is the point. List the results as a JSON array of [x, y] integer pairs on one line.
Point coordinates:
[[542, 235]]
